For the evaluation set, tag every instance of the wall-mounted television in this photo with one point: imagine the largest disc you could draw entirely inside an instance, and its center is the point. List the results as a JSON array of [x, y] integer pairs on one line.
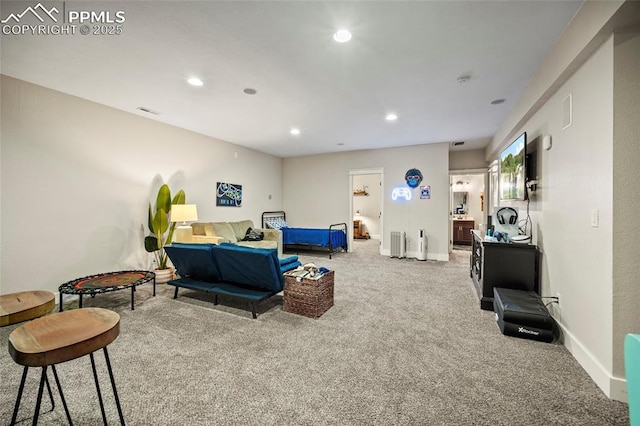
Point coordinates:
[[512, 169]]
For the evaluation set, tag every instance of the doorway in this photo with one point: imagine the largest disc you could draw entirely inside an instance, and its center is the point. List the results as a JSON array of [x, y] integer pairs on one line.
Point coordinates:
[[366, 207], [467, 206]]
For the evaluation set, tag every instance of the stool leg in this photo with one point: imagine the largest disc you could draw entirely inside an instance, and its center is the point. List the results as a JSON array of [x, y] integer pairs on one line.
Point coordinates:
[[15, 408], [133, 289], [113, 385], [64, 402], [39, 400], [154, 287], [80, 301], [53, 403], [95, 377]]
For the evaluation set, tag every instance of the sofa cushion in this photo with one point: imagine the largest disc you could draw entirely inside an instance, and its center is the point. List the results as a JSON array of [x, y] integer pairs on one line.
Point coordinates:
[[194, 261], [240, 228], [249, 266], [198, 228], [224, 230]]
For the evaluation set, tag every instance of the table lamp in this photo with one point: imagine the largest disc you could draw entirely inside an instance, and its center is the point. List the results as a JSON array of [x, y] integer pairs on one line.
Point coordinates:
[[183, 213]]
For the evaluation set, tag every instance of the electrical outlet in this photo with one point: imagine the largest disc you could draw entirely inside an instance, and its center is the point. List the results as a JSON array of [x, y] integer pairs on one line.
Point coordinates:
[[558, 300]]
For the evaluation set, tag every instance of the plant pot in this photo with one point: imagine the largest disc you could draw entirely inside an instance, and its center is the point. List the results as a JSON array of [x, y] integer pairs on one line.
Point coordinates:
[[163, 275]]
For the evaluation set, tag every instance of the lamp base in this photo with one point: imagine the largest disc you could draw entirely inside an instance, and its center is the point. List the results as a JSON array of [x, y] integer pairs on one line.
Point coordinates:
[[184, 234]]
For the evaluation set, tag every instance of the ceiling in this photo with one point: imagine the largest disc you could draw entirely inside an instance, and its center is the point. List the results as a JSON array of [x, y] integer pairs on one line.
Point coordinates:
[[404, 57]]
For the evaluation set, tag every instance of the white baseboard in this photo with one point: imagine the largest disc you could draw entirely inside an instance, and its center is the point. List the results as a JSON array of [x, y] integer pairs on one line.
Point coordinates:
[[412, 255], [613, 387]]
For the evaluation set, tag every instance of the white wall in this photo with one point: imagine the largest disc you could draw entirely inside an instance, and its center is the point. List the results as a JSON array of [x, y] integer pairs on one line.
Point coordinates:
[[626, 202], [592, 165], [469, 159], [316, 192], [77, 178], [576, 178]]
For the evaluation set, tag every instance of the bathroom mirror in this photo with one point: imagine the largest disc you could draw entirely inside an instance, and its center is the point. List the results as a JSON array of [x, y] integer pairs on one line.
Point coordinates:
[[459, 202]]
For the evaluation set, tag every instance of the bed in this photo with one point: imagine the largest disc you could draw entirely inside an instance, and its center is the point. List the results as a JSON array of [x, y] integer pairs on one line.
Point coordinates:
[[332, 239]]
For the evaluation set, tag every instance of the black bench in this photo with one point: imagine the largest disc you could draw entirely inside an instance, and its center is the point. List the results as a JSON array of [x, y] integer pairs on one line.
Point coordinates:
[[523, 314]]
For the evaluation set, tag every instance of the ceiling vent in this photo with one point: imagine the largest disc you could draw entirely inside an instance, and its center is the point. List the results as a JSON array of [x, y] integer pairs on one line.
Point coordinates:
[[458, 143], [147, 110]]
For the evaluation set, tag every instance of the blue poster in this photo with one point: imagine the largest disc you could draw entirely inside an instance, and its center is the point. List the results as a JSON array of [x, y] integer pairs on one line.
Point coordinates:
[[228, 194]]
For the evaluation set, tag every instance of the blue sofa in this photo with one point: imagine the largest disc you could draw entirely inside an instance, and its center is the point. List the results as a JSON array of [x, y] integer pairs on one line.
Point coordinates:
[[227, 269]]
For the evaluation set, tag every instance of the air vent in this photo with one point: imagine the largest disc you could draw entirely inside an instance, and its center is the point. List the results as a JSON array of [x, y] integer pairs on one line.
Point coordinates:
[[458, 143], [147, 110]]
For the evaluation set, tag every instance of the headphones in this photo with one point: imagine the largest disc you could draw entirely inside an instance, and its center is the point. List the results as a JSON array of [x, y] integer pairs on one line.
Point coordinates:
[[513, 216]]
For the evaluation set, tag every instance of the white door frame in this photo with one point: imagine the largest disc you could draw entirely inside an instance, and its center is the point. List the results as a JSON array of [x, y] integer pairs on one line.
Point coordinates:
[[483, 172], [375, 171]]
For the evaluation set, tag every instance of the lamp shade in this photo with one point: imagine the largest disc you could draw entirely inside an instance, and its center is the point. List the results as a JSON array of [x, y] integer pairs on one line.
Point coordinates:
[[184, 213]]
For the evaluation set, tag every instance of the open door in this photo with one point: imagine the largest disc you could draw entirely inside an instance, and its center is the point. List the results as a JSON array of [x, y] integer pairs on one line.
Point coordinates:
[[366, 190]]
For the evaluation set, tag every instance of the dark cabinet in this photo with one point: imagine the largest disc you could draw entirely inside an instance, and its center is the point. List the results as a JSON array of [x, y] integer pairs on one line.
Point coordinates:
[[506, 265], [462, 231]]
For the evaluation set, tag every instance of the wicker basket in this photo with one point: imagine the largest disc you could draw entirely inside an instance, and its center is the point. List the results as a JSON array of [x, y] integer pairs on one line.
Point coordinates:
[[310, 298]]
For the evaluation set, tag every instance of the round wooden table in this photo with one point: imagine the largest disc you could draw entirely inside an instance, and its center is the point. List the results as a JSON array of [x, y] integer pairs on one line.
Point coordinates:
[[61, 337], [26, 305]]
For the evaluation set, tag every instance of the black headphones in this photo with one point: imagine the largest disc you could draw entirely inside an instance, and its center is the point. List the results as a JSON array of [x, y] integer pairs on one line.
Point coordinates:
[[513, 216]]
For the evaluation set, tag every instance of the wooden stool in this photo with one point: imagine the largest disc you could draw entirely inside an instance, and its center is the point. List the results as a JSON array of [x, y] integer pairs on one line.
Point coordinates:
[[61, 337], [24, 306]]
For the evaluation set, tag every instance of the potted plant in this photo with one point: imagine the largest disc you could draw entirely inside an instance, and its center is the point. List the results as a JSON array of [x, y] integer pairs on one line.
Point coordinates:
[[162, 231]]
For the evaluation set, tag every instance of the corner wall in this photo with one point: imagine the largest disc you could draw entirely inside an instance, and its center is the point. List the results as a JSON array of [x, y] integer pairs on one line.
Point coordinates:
[[77, 178]]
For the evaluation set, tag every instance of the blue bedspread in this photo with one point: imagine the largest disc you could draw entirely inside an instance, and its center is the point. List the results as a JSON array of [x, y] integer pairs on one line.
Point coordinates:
[[315, 237]]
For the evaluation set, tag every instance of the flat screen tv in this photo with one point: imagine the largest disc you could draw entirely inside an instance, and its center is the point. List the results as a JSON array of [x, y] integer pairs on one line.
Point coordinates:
[[512, 169]]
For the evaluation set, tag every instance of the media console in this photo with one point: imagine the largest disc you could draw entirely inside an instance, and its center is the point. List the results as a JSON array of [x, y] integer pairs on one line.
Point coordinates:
[[504, 265]]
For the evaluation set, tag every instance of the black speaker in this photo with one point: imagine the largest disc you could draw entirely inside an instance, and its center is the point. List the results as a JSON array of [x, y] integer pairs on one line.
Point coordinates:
[[511, 213]]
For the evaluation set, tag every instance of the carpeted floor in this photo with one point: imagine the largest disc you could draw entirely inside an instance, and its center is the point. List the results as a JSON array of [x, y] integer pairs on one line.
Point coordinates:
[[405, 344]]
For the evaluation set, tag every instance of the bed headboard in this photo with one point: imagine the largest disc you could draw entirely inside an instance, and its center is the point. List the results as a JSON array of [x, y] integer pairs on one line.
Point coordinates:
[[272, 215]]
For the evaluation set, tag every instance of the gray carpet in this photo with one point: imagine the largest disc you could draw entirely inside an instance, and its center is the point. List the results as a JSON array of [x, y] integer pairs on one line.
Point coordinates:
[[406, 343]]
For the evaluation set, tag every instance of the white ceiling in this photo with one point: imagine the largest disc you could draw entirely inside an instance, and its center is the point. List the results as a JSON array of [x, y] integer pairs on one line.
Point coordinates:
[[404, 57]]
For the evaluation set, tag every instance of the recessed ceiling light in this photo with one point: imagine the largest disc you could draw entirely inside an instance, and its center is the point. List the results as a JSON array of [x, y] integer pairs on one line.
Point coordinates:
[[295, 131], [391, 117], [250, 91], [497, 101], [195, 81], [342, 36]]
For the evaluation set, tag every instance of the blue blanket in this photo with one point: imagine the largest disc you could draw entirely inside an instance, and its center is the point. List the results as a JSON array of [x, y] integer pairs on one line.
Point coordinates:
[[315, 237]]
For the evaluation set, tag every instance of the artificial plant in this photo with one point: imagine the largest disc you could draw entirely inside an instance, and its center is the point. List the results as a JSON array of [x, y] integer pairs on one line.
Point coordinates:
[[159, 224]]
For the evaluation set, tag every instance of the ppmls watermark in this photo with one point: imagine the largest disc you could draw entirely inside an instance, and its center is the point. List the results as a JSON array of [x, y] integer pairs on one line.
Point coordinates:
[[59, 18]]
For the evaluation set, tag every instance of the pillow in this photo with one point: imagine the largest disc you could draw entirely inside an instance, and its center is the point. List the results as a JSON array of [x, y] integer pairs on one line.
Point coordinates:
[[276, 223], [224, 230], [240, 228], [253, 235], [208, 230]]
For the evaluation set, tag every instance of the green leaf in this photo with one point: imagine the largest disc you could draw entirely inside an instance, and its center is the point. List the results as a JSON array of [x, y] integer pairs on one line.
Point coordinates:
[[164, 198], [150, 220], [151, 243], [180, 198], [160, 222]]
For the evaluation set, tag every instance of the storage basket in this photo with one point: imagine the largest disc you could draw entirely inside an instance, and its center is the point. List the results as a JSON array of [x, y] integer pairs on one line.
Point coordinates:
[[310, 298]]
